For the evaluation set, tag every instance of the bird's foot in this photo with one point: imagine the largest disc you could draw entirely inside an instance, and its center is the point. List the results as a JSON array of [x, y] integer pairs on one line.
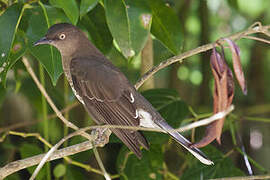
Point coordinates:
[[101, 135]]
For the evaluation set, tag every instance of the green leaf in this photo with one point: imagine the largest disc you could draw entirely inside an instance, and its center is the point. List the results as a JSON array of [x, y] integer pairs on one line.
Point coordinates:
[[140, 18], [28, 150], [165, 25], [86, 6], [129, 23], [9, 22], [49, 56], [17, 51], [223, 167], [149, 167], [70, 8], [59, 170], [75, 173], [95, 23]]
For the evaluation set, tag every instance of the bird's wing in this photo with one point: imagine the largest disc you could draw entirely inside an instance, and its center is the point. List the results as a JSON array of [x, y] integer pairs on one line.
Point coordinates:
[[108, 97]]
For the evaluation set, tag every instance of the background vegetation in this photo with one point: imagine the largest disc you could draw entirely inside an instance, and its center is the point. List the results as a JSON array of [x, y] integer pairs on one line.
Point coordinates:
[[135, 35]]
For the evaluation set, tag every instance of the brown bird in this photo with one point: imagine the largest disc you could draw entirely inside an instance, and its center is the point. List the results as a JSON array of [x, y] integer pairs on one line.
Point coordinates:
[[105, 92]]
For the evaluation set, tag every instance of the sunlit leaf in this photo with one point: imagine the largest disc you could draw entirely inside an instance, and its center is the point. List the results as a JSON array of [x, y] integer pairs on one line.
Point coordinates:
[[129, 22], [165, 25]]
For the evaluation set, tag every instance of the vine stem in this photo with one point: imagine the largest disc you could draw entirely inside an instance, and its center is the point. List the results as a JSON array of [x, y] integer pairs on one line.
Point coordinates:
[[45, 119]]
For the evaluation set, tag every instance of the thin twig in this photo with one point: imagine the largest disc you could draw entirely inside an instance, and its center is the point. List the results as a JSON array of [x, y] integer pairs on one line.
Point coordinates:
[[257, 39], [246, 177], [253, 29]]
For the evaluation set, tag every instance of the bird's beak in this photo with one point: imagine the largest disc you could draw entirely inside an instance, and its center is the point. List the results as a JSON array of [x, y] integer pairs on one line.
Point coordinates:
[[43, 40]]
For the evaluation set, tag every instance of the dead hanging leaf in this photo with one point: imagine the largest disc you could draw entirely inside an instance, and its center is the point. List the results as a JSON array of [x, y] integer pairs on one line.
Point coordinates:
[[223, 95], [237, 67]]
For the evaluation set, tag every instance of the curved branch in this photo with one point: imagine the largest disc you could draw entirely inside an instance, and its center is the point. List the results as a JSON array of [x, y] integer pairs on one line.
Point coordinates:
[[253, 29]]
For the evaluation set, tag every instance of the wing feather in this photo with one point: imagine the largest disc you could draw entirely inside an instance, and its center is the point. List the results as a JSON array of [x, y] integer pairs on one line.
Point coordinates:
[[107, 97]]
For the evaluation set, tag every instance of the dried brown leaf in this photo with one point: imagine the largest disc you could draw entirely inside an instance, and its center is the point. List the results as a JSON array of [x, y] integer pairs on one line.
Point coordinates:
[[237, 65]]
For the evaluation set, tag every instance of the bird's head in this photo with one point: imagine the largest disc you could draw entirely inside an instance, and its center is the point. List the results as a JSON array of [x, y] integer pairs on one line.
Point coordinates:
[[65, 37]]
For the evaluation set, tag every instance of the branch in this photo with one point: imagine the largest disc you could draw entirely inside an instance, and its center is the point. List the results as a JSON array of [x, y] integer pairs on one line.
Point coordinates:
[[245, 177], [253, 29], [34, 160], [25, 163]]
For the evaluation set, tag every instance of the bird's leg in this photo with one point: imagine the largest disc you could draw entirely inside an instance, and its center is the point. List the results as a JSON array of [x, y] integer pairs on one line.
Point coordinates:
[[101, 135]]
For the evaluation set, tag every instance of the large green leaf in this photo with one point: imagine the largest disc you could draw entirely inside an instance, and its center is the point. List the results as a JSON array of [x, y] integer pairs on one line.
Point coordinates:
[[223, 167], [28, 150], [140, 18], [70, 8], [95, 23], [165, 25], [149, 167], [86, 6], [18, 49], [129, 23], [49, 56], [9, 22]]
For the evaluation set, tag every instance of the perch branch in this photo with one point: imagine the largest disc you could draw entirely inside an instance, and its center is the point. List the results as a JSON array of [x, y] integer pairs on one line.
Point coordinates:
[[25, 163]]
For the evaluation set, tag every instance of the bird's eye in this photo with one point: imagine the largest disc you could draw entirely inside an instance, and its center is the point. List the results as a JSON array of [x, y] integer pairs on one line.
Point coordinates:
[[62, 36]]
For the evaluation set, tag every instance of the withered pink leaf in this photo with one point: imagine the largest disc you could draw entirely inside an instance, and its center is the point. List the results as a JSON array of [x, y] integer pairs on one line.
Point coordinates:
[[237, 65], [210, 135], [222, 90], [222, 96]]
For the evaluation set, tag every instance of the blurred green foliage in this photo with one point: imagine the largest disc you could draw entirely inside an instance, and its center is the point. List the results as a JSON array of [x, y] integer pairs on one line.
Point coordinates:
[[120, 29]]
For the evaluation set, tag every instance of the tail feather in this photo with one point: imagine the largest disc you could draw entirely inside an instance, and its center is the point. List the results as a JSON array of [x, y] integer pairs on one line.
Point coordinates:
[[185, 143]]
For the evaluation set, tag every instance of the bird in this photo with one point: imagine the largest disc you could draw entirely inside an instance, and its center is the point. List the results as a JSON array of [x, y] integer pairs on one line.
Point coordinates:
[[106, 93]]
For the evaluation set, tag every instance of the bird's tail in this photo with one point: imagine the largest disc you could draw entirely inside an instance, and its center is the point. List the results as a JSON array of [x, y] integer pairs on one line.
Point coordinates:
[[185, 143]]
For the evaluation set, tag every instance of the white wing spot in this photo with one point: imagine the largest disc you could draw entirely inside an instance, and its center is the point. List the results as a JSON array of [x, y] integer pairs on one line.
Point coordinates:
[[132, 98], [137, 114], [146, 119]]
